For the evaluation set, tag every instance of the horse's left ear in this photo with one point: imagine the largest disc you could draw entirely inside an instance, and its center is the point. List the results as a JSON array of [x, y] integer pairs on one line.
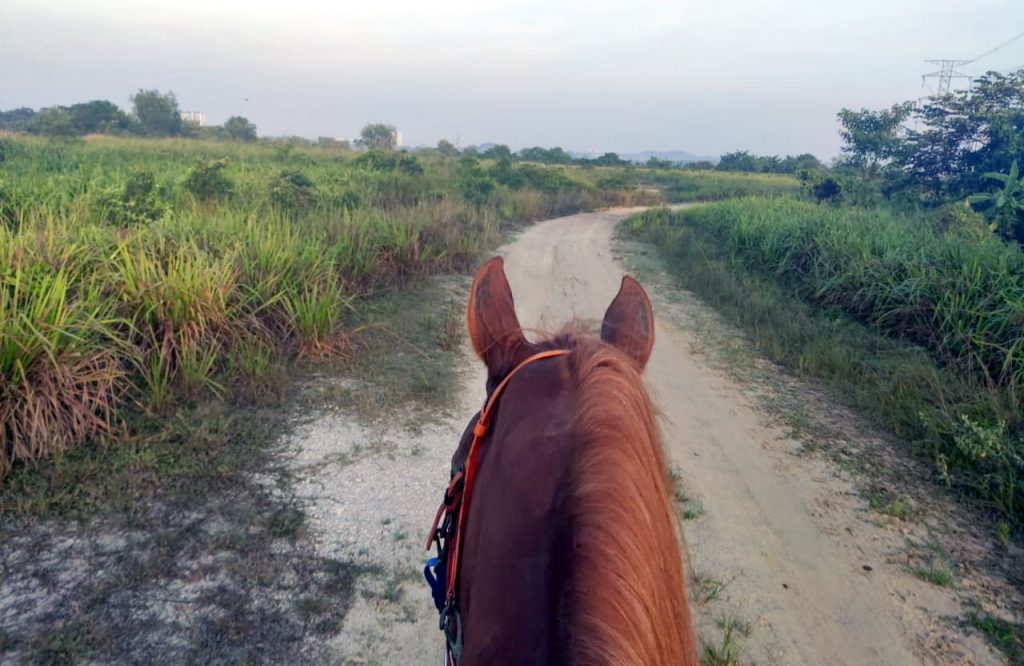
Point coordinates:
[[629, 322], [494, 328]]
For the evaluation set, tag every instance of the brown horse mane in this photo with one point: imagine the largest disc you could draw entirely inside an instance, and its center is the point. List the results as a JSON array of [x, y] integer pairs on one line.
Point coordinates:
[[626, 596]]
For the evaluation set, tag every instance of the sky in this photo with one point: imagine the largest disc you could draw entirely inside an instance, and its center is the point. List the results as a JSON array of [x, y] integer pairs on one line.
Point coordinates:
[[705, 76]]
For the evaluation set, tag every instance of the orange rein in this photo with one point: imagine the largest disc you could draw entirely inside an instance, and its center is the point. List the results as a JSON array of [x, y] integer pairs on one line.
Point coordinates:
[[479, 432]]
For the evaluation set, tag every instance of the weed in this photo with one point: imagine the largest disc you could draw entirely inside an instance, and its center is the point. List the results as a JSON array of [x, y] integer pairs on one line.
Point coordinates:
[[726, 651], [1007, 636], [938, 568], [706, 590]]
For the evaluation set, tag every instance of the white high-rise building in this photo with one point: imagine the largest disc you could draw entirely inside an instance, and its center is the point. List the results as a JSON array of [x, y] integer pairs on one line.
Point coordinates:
[[194, 117]]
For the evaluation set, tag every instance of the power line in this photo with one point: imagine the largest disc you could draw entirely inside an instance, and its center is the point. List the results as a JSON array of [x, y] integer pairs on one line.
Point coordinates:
[[949, 67], [993, 50]]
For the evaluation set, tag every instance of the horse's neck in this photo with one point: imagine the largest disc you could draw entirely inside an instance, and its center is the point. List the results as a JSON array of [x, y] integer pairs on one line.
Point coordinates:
[[571, 552], [628, 600], [517, 548]]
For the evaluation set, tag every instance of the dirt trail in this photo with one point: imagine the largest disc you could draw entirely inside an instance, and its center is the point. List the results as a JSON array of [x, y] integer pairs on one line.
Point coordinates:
[[783, 534], [793, 556]]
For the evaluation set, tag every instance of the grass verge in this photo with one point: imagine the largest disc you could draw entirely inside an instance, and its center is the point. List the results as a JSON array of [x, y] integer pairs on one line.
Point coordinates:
[[936, 407], [187, 543]]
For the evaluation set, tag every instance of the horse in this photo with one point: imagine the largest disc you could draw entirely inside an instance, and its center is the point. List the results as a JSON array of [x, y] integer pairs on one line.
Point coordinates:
[[569, 551]]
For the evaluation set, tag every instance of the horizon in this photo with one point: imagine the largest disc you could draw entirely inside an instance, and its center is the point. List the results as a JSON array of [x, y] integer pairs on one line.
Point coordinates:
[[587, 77]]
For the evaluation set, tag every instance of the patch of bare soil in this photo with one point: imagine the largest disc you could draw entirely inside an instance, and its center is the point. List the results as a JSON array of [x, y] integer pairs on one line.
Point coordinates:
[[256, 546], [233, 581]]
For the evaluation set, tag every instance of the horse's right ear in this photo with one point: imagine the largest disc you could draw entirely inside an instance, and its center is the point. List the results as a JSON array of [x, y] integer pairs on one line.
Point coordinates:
[[629, 322], [494, 328]]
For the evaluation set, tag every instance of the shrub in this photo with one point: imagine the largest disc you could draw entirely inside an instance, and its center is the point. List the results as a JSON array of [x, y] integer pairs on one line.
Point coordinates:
[[292, 191], [206, 180], [475, 186], [827, 189], [379, 160], [137, 202], [958, 219]]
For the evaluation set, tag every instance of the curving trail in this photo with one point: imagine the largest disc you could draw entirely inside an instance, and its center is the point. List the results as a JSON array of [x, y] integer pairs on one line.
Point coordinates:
[[783, 534], [784, 547]]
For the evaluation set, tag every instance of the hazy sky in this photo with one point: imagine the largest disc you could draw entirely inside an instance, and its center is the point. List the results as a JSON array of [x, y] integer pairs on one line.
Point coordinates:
[[707, 77]]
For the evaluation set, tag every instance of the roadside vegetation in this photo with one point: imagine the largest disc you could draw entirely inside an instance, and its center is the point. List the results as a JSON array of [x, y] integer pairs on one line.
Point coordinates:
[[144, 274], [891, 286]]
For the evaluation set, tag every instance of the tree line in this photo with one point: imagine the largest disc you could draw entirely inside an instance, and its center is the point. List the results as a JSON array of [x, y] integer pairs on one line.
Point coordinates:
[[153, 114], [962, 146]]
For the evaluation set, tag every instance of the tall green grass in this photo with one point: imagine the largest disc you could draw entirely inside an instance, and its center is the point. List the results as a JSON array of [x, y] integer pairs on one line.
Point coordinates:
[[139, 274], [958, 297], [687, 185]]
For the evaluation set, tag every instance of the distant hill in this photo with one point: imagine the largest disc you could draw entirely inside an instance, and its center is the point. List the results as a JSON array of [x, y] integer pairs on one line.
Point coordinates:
[[670, 155], [675, 156]]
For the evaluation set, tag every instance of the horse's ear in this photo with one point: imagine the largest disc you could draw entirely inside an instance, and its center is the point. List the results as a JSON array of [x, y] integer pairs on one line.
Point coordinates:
[[494, 328], [629, 322]]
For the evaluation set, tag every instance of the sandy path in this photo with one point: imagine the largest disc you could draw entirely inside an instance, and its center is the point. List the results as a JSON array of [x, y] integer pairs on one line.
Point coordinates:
[[814, 579], [782, 533], [757, 525]]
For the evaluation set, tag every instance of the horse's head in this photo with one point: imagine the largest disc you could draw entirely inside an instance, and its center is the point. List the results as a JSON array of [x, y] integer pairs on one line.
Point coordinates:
[[571, 549], [498, 338]]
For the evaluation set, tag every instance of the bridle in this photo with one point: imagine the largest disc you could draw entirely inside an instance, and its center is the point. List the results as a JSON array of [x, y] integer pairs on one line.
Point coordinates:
[[442, 572]]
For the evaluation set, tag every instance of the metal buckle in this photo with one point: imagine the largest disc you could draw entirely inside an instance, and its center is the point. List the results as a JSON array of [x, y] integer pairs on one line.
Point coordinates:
[[451, 625]]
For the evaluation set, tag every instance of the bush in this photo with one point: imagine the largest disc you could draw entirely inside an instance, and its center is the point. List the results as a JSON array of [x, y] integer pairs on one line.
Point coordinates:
[[292, 190], [821, 186], [137, 202], [379, 160], [959, 220], [475, 186], [827, 189], [206, 180]]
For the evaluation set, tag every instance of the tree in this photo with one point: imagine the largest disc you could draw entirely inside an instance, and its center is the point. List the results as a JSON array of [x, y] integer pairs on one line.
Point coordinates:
[[447, 148], [967, 134], [1007, 204], [55, 121], [240, 129], [806, 161], [331, 142], [740, 160], [379, 136], [98, 117], [658, 163], [16, 120], [545, 155], [156, 113], [499, 152], [609, 159], [873, 138]]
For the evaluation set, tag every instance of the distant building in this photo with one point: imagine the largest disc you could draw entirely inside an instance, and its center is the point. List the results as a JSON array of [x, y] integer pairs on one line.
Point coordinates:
[[194, 117], [398, 139]]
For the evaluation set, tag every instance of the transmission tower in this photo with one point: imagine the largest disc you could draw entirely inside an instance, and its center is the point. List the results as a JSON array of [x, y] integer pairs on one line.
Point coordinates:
[[948, 68], [946, 73]]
